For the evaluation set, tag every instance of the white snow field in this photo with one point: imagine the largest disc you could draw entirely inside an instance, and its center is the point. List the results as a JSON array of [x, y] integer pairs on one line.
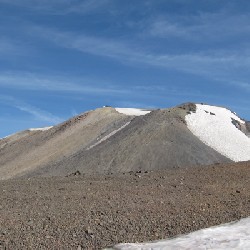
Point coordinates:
[[235, 235], [213, 126], [132, 111]]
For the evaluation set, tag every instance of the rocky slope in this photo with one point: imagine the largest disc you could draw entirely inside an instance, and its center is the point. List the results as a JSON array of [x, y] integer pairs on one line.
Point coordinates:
[[110, 140], [30, 150]]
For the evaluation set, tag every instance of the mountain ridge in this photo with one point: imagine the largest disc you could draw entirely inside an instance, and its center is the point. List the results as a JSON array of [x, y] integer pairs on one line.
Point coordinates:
[[106, 140]]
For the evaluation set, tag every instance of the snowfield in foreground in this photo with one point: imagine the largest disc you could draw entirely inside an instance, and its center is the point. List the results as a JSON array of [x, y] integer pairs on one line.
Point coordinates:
[[213, 126], [234, 235], [132, 111]]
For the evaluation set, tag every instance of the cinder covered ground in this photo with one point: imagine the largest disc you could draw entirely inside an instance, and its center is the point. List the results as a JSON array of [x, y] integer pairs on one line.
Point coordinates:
[[93, 212]]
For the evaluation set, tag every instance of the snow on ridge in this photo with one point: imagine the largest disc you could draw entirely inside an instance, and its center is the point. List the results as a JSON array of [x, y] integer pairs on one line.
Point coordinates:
[[5, 137], [234, 235], [40, 129], [109, 135], [31, 129], [213, 126], [132, 111]]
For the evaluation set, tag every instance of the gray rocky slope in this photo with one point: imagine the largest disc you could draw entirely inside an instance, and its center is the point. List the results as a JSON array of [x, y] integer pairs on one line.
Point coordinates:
[[105, 141]]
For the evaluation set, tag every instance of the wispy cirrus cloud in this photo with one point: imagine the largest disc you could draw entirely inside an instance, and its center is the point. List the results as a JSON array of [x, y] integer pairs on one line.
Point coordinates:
[[242, 84], [36, 112], [88, 6], [9, 47], [88, 44], [60, 84], [214, 64], [123, 51], [216, 26], [59, 6], [37, 82]]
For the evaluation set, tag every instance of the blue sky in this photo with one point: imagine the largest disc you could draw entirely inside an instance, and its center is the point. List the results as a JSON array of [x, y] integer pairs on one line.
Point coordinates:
[[59, 58]]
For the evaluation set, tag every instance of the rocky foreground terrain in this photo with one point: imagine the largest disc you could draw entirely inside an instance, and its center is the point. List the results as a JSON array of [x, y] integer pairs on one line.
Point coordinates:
[[94, 212]]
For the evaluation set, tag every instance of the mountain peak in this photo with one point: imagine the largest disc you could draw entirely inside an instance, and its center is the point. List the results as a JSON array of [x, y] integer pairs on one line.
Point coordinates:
[[112, 140]]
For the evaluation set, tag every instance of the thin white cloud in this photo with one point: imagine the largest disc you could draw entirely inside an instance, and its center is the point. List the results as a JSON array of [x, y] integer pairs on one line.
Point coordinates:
[[87, 44], [59, 6], [75, 91], [29, 81], [243, 84], [37, 113], [87, 6], [210, 26], [165, 28], [9, 47], [73, 87], [217, 63], [212, 64]]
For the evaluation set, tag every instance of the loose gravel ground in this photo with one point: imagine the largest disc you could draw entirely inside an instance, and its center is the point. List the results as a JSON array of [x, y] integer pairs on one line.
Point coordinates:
[[93, 212]]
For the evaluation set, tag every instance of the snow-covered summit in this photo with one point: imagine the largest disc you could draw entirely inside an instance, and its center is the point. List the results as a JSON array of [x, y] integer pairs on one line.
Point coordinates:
[[217, 127], [132, 111]]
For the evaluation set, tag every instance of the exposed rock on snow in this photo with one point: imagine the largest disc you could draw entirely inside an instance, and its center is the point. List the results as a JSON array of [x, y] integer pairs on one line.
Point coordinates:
[[227, 236], [132, 111], [215, 126]]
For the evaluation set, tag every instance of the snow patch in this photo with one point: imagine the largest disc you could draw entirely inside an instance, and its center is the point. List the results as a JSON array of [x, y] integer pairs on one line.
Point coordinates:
[[6, 136], [234, 235], [213, 126], [109, 135], [40, 129], [31, 129], [132, 111]]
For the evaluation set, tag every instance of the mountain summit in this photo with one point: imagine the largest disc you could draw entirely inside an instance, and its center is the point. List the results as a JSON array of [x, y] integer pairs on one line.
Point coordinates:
[[114, 140]]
